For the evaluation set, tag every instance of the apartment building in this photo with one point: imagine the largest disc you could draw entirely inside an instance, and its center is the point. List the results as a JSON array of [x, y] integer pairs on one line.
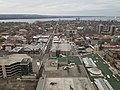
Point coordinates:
[[15, 65]]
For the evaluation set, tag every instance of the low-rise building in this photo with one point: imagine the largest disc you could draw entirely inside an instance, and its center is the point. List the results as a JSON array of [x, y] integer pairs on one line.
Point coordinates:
[[32, 48], [112, 55], [40, 38], [71, 32], [64, 48]]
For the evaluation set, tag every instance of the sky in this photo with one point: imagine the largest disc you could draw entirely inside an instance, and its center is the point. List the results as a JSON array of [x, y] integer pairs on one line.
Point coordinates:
[[61, 7]]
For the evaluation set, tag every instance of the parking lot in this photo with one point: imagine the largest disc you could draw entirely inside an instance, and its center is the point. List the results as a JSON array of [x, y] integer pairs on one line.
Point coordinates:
[[13, 84], [68, 84]]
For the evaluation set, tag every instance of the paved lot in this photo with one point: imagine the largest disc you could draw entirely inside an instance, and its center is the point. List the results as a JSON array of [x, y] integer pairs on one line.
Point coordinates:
[[18, 85], [68, 84]]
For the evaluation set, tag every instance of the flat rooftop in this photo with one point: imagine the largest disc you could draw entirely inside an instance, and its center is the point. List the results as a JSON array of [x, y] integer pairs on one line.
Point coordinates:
[[10, 59], [32, 47], [25, 61], [103, 66], [3, 53], [70, 59], [77, 71], [68, 84], [41, 36], [61, 47]]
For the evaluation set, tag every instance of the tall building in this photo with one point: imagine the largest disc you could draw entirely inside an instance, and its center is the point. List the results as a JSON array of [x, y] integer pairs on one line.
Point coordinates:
[[109, 28], [26, 66], [100, 28], [12, 65], [112, 29]]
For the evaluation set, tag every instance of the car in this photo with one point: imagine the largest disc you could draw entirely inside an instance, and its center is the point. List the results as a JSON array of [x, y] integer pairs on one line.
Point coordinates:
[[65, 67], [72, 63], [71, 66]]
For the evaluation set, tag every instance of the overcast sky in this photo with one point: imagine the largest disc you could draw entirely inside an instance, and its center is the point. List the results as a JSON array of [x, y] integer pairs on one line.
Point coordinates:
[[61, 7]]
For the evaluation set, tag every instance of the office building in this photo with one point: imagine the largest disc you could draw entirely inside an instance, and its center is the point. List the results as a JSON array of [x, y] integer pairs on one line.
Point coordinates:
[[100, 28], [26, 66], [112, 30], [12, 65]]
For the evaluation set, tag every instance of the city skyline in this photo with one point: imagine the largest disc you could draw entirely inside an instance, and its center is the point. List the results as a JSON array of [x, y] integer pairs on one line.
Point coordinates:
[[62, 7]]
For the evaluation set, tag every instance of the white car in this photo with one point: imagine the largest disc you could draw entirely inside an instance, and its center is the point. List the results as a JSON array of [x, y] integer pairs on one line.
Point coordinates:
[[72, 64], [65, 67]]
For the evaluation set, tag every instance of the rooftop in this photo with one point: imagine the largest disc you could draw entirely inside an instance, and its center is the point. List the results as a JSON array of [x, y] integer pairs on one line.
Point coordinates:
[[103, 66], [116, 51], [40, 36], [68, 84], [69, 59], [3, 53], [10, 59], [103, 84], [32, 47], [16, 49], [54, 67], [51, 64], [25, 61], [61, 47], [43, 40]]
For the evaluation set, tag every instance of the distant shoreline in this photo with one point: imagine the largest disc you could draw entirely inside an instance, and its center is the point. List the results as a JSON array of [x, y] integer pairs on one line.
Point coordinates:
[[31, 16], [32, 20]]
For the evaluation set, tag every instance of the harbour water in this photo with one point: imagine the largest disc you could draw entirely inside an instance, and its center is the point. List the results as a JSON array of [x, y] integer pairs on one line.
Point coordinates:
[[97, 18]]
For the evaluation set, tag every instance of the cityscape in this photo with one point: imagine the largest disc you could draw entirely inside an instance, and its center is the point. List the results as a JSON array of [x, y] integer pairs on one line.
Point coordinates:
[[59, 51]]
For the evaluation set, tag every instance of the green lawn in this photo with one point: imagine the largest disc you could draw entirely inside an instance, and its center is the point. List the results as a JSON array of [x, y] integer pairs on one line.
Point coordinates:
[[105, 70], [62, 59], [52, 58], [69, 59], [74, 59]]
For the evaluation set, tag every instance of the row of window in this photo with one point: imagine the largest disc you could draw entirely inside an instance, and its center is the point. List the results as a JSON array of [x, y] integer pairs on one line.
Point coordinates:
[[10, 72], [12, 69], [12, 65], [1, 72], [1, 76], [15, 70], [14, 74]]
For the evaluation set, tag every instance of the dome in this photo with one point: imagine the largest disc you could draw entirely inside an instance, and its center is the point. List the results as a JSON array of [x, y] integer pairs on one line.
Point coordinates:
[[95, 71]]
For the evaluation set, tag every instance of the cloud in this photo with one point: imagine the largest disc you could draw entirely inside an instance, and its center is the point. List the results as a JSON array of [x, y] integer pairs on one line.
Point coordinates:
[[61, 7]]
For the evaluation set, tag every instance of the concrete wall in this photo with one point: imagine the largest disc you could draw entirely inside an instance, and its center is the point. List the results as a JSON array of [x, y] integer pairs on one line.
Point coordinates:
[[4, 71]]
